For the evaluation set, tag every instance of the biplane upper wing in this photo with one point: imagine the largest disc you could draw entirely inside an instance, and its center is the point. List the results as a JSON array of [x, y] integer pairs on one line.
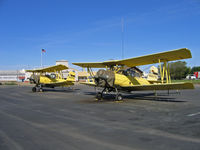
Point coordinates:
[[172, 55], [165, 86], [49, 69], [91, 65]]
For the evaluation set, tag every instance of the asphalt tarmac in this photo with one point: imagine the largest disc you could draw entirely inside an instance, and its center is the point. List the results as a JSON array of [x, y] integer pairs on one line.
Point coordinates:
[[71, 119]]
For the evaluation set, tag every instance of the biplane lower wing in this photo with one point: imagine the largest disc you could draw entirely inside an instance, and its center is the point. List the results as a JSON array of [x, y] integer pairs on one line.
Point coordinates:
[[64, 83], [166, 86]]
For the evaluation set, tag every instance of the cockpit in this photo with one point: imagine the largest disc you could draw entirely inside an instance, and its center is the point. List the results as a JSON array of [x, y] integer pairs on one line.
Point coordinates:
[[133, 72], [51, 76]]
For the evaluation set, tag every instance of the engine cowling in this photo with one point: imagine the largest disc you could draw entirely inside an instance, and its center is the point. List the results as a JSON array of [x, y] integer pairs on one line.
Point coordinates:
[[35, 79], [105, 78]]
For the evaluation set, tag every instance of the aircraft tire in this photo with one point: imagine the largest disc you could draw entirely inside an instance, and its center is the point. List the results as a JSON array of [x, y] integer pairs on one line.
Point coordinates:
[[119, 97], [99, 96], [34, 89]]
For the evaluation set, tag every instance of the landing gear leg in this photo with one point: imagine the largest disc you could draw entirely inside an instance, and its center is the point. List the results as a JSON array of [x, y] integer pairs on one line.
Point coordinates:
[[99, 95], [37, 88], [34, 89], [40, 88], [118, 96]]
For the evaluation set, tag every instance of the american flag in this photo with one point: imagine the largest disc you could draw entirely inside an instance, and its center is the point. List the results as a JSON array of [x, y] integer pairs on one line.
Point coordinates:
[[43, 50]]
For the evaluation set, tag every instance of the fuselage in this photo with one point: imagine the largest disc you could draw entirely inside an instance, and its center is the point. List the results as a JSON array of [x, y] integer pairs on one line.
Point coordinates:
[[122, 80], [53, 80]]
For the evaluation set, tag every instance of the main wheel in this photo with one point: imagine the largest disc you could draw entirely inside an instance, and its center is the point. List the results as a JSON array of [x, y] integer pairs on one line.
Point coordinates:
[[99, 96], [34, 89], [118, 97]]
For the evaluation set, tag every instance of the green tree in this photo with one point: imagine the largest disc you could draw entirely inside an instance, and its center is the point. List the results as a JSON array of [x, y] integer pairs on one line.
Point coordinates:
[[195, 69], [178, 69], [188, 71]]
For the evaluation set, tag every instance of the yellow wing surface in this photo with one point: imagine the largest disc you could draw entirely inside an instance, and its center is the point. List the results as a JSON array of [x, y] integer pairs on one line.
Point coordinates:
[[49, 69], [172, 55], [62, 83], [166, 86]]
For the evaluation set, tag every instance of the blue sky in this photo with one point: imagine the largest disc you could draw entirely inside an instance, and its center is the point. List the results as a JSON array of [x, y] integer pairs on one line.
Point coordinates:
[[90, 30]]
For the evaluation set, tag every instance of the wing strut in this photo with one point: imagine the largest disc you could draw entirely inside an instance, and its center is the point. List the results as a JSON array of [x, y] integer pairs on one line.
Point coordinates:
[[90, 72], [164, 72]]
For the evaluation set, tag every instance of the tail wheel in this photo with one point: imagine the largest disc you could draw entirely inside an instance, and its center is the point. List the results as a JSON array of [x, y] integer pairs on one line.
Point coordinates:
[[99, 96], [34, 89], [118, 97]]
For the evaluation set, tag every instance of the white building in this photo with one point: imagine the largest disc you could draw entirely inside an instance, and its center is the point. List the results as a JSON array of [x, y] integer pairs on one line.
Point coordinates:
[[62, 62], [22, 75], [12, 75]]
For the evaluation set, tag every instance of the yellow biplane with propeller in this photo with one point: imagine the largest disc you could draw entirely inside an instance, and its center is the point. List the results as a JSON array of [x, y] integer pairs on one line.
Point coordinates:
[[123, 75], [51, 77]]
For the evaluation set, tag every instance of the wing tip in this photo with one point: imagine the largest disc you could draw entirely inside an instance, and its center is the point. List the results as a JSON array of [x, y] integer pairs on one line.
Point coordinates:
[[187, 52]]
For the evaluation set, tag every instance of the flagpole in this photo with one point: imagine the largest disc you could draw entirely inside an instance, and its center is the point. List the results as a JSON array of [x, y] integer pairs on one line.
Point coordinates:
[[41, 59]]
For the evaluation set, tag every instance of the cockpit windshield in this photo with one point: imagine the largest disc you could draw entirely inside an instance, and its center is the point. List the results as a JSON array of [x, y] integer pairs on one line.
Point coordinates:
[[52, 76], [130, 72]]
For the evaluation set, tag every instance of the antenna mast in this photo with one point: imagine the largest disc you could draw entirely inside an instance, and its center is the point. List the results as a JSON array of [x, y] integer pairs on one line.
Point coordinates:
[[122, 36]]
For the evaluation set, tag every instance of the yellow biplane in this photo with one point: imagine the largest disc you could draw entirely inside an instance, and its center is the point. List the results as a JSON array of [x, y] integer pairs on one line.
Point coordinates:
[[123, 75], [51, 77]]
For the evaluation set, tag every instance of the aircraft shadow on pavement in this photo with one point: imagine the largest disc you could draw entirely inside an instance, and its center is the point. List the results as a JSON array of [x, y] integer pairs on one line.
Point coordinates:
[[161, 97], [65, 90]]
